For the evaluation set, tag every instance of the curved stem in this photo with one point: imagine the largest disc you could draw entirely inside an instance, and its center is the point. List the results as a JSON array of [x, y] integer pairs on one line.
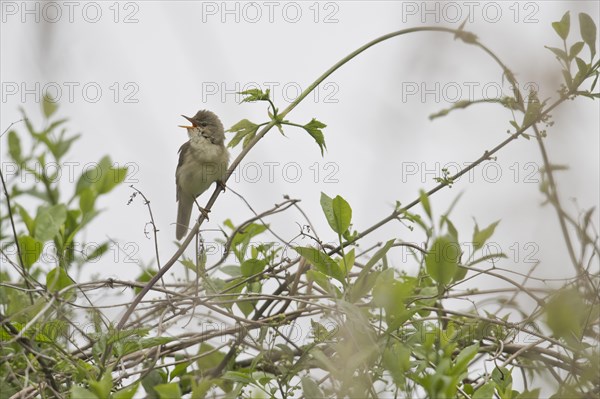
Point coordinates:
[[356, 52]]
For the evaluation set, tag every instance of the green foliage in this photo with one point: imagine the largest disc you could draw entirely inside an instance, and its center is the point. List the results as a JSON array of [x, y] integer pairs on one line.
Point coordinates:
[[562, 27], [244, 129], [588, 33], [322, 262], [442, 259], [338, 213], [481, 236], [567, 315], [51, 228], [247, 130], [315, 129]]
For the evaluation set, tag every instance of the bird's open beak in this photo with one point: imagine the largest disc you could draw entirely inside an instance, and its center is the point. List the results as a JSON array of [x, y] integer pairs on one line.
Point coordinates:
[[191, 121]]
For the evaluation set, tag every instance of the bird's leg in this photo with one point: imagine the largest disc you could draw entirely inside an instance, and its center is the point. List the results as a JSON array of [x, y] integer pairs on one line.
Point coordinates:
[[203, 211], [221, 185]]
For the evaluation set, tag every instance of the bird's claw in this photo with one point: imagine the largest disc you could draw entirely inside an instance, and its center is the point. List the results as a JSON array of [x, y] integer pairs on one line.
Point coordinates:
[[204, 212]]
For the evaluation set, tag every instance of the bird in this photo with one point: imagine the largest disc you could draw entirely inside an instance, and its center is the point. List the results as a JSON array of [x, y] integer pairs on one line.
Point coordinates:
[[203, 159]]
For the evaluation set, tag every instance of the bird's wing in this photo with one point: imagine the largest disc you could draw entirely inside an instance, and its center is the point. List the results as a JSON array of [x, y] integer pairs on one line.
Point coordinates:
[[183, 151]]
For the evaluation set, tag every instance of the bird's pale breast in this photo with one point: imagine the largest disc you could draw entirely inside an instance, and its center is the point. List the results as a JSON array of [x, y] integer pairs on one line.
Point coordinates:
[[205, 163]]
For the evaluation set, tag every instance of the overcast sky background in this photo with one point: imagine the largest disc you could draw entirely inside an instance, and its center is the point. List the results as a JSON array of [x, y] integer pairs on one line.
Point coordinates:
[[155, 60]]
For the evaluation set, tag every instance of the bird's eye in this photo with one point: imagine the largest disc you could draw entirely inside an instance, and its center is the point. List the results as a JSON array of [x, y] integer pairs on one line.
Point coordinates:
[[203, 124]]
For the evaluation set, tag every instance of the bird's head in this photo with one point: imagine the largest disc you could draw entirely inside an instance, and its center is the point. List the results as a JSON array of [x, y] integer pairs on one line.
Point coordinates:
[[206, 124]]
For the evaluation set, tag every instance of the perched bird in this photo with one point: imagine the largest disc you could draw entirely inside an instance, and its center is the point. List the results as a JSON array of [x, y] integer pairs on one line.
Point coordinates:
[[202, 161]]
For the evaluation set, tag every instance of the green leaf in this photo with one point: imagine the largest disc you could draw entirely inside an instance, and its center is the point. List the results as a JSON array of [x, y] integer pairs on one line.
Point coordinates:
[[145, 276], [582, 67], [152, 342], [347, 261], [320, 332], [190, 265], [338, 213], [87, 178], [30, 250], [247, 140], [314, 128], [323, 281], [127, 335], [255, 95], [442, 259], [311, 389], [52, 127], [424, 199], [251, 267], [486, 391], [126, 393], [363, 284], [87, 199], [480, 237], [561, 54], [152, 379], [533, 111], [63, 145], [231, 270], [575, 49], [103, 177], [462, 360], [82, 393], [396, 359], [248, 232], [242, 129], [451, 229], [378, 255], [168, 391], [562, 27], [427, 297], [14, 146], [51, 330], [57, 279], [103, 387], [502, 377], [49, 220], [327, 206], [201, 388], [238, 377], [462, 272], [211, 359], [241, 241], [588, 32], [391, 295], [566, 313], [49, 106], [322, 262], [112, 178], [179, 369], [342, 213]]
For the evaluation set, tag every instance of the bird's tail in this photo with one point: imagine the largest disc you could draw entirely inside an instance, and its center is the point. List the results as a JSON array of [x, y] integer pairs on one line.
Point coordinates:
[[184, 211]]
